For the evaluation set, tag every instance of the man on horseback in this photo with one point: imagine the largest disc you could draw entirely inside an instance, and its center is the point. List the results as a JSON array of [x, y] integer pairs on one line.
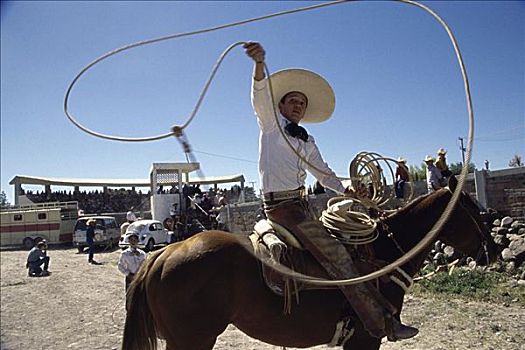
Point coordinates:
[[301, 95]]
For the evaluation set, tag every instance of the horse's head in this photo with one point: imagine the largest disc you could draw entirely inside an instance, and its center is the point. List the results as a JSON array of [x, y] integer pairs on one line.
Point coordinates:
[[465, 229]]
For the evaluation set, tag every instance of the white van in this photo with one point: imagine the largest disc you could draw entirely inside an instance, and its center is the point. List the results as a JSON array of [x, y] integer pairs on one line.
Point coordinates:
[[107, 232]]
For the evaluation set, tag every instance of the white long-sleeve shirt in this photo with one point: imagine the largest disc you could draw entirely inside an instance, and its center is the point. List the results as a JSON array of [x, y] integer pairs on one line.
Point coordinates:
[[433, 177], [130, 260], [280, 169]]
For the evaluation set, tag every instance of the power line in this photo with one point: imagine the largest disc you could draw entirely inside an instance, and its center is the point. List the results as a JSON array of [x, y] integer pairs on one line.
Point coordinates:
[[511, 134], [227, 157]]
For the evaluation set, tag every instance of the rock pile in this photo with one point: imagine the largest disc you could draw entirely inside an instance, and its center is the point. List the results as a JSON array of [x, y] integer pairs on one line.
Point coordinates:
[[508, 234]]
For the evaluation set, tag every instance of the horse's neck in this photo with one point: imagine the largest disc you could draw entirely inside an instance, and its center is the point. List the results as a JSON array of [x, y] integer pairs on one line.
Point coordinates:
[[411, 224]]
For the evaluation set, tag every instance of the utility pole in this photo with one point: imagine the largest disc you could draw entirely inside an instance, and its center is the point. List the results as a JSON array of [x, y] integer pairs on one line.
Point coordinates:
[[462, 150]]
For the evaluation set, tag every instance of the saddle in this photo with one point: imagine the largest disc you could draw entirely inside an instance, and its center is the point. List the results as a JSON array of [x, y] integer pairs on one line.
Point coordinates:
[[274, 244]]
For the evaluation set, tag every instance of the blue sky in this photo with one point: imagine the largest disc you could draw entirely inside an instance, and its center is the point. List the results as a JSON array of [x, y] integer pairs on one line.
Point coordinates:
[[398, 85]]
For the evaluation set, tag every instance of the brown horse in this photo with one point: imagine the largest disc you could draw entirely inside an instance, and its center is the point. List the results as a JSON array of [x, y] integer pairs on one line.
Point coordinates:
[[188, 292]]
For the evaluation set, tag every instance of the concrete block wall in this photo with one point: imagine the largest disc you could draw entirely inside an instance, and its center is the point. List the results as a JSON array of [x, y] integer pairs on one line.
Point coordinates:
[[504, 190], [515, 202], [241, 217]]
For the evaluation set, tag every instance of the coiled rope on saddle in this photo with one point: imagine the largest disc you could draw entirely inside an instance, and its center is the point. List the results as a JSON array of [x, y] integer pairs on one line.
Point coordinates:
[[347, 225], [432, 234], [346, 218]]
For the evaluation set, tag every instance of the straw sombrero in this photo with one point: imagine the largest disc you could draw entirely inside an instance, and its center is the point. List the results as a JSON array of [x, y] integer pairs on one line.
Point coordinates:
[[401, 160], [442, 151], [429, 159], [321, 97]]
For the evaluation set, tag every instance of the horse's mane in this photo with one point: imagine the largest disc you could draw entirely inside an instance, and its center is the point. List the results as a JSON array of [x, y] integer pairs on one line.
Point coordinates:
[[417, 202]]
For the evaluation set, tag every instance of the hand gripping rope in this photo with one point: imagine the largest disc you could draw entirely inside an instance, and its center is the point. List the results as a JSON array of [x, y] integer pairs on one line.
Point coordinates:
[[431, 235]]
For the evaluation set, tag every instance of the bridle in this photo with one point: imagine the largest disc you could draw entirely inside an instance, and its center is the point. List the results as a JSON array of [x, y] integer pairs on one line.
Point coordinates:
[[390, 234], [483, 250]]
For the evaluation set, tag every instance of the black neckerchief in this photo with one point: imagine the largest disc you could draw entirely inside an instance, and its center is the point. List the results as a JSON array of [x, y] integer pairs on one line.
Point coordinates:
[[294, 130]]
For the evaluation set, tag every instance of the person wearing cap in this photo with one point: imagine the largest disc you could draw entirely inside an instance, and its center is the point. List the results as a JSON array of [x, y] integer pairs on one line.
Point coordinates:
[[90, 240], [434, 176], [36, 258], [131, 259], [299, 95], [441, 163], [401, 177], [131, 218]]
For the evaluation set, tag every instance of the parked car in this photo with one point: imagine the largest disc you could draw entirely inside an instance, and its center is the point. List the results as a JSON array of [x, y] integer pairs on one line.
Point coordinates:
[[150, 232], [107, 232]]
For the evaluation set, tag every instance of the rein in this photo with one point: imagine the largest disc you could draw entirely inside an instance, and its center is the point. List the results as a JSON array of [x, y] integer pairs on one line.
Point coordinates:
[[484, 240], [482, 251]]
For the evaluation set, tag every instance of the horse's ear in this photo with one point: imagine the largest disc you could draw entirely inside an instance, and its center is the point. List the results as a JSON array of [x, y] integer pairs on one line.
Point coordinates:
[[452, 183]]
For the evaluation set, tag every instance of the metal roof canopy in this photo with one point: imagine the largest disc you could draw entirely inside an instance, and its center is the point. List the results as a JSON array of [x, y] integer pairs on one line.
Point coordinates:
[[59, 181], [62, 181], [160, 168]]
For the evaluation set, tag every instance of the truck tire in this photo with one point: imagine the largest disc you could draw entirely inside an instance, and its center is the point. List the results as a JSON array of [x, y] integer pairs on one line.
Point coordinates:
[[28, 243]]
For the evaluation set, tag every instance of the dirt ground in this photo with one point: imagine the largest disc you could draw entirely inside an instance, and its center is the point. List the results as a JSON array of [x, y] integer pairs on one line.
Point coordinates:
[[81, 306]]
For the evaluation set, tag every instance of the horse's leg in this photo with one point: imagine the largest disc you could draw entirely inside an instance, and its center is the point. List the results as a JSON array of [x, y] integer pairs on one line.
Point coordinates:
[[191, 292], [201, 345], [395, 295], [362, 340], [194, 333]]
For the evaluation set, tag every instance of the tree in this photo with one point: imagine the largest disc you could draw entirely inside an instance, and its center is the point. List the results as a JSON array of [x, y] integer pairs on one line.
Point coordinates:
[[4, 203], [417, 173], [456, 168], [516, 162]]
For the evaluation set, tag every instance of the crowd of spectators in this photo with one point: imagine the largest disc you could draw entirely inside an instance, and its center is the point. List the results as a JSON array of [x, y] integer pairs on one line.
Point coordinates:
[[111, 201], [122, 200], [232, 195]]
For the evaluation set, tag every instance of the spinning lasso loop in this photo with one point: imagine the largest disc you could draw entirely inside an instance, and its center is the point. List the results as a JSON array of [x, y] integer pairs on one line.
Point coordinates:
[[366, 167], [432, 234], [164, 38], [434, 231]]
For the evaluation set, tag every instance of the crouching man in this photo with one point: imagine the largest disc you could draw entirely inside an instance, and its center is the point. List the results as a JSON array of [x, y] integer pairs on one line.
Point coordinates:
[[36, 258]]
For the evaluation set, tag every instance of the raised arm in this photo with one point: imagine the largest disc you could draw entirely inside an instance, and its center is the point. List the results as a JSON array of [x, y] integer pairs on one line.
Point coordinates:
[[255, 51]]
